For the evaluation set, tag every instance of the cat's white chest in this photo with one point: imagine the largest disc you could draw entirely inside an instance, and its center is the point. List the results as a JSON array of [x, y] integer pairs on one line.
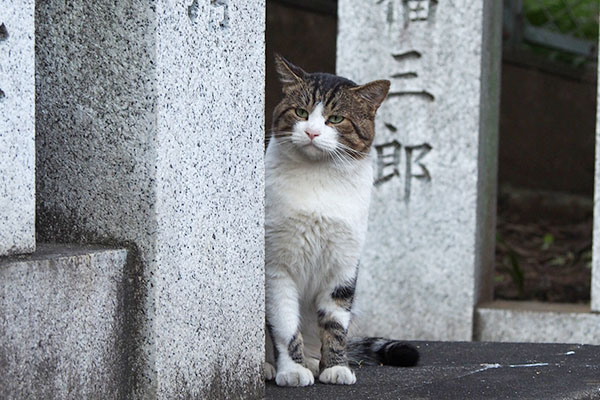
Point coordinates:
[[316, 190]]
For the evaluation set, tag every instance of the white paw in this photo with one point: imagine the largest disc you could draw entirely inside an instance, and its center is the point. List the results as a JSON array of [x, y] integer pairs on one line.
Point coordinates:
[[294, 375], [269, 371], [338, 375], [313, 365]]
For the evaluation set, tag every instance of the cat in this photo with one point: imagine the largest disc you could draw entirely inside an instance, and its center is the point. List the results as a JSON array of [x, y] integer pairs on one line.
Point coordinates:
[[318, 188]]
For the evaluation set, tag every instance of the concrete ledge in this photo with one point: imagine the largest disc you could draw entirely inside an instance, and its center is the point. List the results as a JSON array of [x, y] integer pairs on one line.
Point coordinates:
[[516, 321], [460, 370], [61, 324]]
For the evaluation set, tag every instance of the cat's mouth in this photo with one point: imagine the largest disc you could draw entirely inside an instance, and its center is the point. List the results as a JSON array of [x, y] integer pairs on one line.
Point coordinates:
[[317, 145], [312, 147], [314, 151]]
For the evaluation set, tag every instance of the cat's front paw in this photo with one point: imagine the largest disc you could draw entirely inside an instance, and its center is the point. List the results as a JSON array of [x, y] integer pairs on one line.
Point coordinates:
[[269, 371], [338, 375], [294, 375]]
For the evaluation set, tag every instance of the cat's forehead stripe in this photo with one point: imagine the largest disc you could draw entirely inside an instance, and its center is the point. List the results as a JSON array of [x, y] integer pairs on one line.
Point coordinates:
[[331, 97], [314, 93], [327, 81], [325, 87]]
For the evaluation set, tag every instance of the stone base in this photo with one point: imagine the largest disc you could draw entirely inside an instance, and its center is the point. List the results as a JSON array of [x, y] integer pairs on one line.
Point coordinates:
[[526, 321], [61, 324]]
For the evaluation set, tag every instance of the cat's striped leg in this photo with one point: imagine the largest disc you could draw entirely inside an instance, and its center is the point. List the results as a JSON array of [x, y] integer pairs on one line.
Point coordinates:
[[283, 316], [334, 319]]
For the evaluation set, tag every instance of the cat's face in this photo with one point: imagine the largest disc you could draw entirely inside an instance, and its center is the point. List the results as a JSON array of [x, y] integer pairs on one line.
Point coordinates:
[[323, 116]]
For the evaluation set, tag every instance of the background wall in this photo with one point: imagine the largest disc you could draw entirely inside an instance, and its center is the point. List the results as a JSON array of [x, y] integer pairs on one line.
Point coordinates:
[[547, 127]]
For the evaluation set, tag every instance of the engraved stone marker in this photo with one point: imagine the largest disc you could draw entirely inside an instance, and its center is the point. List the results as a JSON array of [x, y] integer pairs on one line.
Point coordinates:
[[431, 228], [17, 128]]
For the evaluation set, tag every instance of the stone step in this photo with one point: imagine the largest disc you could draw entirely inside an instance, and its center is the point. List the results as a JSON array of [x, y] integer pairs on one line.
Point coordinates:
[[61, 323], [536, 322]]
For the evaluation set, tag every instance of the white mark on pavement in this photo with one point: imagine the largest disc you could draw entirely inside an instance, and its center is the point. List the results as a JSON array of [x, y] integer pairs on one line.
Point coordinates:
[[528, 365], [485, 367]]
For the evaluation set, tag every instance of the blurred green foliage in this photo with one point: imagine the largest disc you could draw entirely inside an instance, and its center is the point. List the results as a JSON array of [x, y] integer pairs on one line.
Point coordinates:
[[575, 17], [578, 18], [511, 263], [547, 241]]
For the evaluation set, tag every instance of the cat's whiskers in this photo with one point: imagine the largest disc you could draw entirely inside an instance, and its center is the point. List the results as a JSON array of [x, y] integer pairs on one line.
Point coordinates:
[[286, 138], [338, 155], [285, 141], [337, 160], [343, 156], [282, 139], [340, 160], [350, 149], [274, 133], [280, 136]]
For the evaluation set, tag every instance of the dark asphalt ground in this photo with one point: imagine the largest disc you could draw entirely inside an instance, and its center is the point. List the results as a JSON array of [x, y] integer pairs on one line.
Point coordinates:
[[459, 370]]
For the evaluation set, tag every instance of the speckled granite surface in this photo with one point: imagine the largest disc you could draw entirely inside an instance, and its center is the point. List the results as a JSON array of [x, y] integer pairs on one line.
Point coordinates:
[[596, 242], [433, 206], [62, 323], [150, 136], [538, 322], [17, 128]]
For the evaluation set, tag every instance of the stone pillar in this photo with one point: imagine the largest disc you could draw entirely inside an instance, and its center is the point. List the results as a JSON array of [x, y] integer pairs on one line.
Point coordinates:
[[150, 135], [596, 241], [429, 252], [17, 128]]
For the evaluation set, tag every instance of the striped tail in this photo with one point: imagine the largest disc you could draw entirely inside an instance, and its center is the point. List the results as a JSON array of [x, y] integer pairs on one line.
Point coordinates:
[[376, 351]]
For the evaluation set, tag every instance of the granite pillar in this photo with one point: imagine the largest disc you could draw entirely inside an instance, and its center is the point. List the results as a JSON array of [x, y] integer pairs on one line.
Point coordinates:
[[596, 241], [429, 251], [150, 117], [17, 128]]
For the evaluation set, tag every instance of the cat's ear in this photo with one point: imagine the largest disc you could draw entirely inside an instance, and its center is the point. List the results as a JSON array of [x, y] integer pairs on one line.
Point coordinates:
[[374, 92], [288, 72]]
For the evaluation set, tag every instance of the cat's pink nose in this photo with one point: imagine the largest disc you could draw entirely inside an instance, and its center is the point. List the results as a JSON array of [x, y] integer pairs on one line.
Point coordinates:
[[311, 134]]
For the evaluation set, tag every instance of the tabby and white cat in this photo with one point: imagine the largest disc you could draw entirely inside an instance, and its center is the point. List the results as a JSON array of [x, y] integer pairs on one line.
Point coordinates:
[[318, 188]]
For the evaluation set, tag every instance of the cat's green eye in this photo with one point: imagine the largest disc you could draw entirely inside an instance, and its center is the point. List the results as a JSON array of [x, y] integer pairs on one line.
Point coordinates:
[[335, 119], [301, 112]]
